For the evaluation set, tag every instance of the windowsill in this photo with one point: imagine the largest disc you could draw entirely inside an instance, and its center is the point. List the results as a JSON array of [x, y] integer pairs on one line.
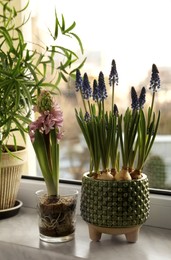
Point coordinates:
[[160, 205], [22, 233]]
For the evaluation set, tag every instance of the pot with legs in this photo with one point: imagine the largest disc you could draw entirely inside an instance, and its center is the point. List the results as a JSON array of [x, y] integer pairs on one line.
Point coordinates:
[[114, 207]]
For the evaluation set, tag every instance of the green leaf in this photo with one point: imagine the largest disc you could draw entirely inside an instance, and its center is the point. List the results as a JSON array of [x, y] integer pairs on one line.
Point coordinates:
[[70, 28], [63, 24], [79, 42], [54, 151], [7, 37], [56, 26], [43, 159]]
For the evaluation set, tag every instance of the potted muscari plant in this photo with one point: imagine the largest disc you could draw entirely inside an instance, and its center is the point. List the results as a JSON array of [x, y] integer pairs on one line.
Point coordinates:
[[115, 191], [56, 211], [23, 73]]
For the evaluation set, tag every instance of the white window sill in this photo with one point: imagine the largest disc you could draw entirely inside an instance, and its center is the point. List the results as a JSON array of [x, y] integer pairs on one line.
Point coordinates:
[[160, 205], [19, 240]]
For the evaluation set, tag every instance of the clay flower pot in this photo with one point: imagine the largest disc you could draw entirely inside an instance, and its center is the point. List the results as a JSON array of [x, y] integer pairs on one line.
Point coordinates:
[[114, 207]]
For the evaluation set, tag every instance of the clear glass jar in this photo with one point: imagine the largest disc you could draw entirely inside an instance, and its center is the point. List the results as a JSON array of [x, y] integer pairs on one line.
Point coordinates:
[[57, 216]]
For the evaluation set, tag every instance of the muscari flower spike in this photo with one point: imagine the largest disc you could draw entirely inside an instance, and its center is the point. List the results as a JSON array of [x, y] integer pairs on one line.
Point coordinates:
[[96, 92], [142, 97], [102, 87], [134, 97], [115, 110], [155, 79], [86, 89], [87, 117], [113, 77], [78, 82]]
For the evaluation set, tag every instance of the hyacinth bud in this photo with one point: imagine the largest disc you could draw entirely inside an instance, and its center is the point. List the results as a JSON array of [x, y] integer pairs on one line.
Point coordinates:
[[115, 110], [134, 97], [86, 89], [44, 102], [155, 79], [78, 82], [102, 87], [142, 97], [113, 77]]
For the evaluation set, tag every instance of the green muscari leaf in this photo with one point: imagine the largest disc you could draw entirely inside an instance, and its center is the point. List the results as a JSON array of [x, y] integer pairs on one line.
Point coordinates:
[[153, 137], [92, 127], [114, 141], [121, 138], [141, 140]]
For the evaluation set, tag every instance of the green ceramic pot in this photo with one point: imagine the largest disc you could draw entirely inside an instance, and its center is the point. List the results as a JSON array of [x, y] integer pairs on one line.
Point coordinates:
[[107, 203]]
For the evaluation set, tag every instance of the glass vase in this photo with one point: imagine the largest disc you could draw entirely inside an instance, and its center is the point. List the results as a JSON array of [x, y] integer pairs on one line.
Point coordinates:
[[57, 216]]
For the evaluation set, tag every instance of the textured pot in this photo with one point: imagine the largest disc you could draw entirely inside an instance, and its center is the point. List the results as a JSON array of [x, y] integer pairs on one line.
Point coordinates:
[[114, 207], [11, 169]]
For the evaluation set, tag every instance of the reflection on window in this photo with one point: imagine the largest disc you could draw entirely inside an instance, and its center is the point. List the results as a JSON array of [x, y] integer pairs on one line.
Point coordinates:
[[136, 35]]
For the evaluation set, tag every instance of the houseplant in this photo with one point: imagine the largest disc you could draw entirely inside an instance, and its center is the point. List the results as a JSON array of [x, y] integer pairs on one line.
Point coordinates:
[[115, 195], [56, 212], [23, 73]]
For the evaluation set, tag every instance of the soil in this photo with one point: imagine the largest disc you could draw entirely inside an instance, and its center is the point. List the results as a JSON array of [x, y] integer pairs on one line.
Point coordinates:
[[12, 148], [57, 216]]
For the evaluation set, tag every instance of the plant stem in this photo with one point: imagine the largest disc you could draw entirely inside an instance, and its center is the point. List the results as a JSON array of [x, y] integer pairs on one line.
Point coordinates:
[[113, 95], [151, 109]]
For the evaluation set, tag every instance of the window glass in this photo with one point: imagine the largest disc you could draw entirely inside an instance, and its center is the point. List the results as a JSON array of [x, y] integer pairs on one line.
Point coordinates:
[[135, 34]]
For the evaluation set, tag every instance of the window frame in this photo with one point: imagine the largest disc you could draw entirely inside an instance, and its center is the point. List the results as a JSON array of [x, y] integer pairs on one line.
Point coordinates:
[[160, 200]]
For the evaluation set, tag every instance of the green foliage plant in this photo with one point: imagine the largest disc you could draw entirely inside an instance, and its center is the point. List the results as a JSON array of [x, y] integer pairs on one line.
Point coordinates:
[[24, 72], [115, 139]]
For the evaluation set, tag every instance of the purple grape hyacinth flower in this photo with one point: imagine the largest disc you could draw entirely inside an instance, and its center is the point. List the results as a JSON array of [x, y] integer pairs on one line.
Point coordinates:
[[155, 79], [78, 82], [113, 77], [87, 117], [142, 97], [102, 87], [86, 89], [96, 92], [135, 101], [115, 110]]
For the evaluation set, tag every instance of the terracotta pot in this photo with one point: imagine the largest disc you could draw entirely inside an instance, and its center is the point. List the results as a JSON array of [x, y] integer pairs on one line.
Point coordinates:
[[11, 169], [114, 207]]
